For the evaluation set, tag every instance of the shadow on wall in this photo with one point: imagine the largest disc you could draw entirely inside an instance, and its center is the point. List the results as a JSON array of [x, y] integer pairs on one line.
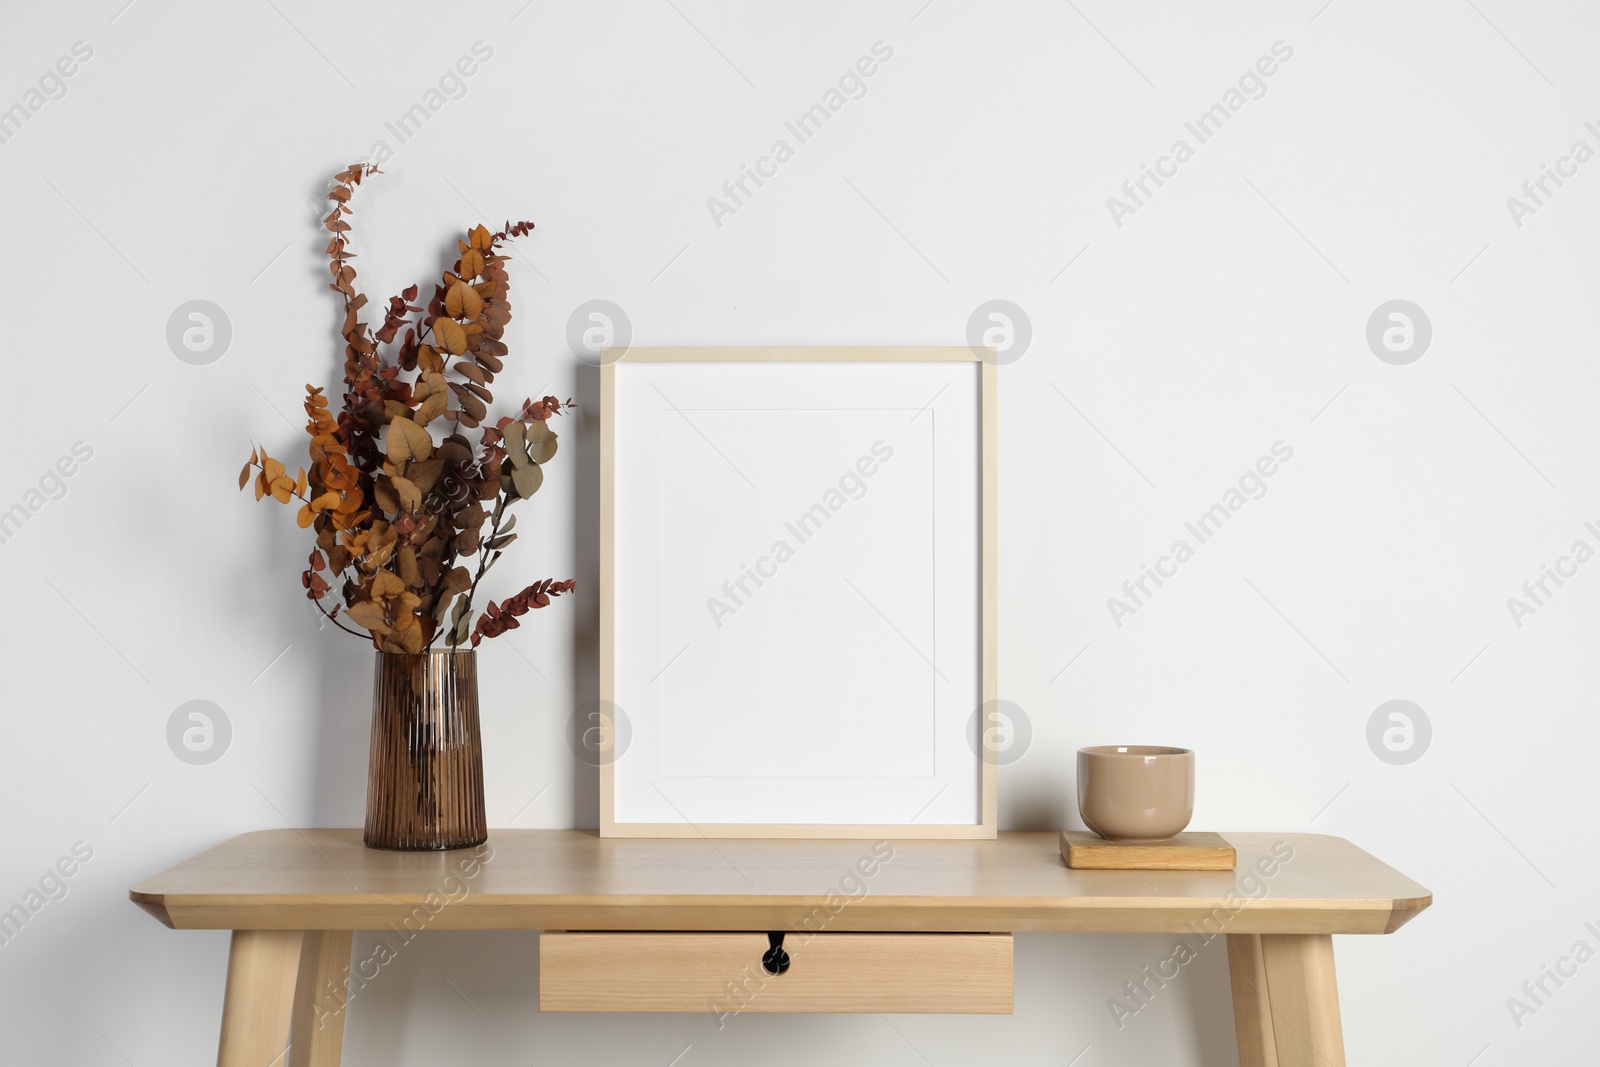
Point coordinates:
[[586, 563], [342, 729], [342, 665], [1186, 1019], [440, 990]]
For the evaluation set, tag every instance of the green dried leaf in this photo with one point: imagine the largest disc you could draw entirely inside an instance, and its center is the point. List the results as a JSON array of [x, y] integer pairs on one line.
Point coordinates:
[[527, 480], [514, 435], [541, 442]]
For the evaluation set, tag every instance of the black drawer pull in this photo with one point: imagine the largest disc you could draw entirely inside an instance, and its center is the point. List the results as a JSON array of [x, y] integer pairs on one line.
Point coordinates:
[[775, 960]]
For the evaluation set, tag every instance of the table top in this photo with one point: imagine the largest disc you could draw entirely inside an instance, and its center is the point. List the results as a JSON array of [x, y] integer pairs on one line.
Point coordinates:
[[576, 880]]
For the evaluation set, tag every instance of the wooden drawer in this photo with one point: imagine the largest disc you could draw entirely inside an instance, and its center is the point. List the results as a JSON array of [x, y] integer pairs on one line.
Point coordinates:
[[723, 973]]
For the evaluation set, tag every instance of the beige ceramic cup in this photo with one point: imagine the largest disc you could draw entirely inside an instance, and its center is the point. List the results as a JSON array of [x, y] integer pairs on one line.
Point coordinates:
[[1136, 792]]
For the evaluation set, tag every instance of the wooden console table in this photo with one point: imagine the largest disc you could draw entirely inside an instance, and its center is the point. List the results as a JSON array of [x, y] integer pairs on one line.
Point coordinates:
[[685, 925]]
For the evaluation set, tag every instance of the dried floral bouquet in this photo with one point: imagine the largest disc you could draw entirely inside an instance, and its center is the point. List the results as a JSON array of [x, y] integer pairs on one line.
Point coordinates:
[[400, 518]]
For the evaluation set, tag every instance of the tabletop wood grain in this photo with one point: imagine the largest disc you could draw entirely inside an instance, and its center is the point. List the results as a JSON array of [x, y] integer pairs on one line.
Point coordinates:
[[575, 880]]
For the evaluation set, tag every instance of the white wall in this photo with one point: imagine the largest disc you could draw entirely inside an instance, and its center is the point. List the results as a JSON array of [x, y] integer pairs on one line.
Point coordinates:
[[1227, 313]]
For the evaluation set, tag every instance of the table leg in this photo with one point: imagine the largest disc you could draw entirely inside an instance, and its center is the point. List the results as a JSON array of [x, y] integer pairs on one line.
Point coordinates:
[[262, 967], [319, 999], [1285, 1000]]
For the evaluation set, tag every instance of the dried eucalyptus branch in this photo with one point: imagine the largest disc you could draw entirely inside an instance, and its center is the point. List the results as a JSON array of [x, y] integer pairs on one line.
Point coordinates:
[[396, 512]]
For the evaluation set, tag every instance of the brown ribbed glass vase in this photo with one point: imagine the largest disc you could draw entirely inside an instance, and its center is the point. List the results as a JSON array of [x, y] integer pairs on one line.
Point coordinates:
[[425, 777]]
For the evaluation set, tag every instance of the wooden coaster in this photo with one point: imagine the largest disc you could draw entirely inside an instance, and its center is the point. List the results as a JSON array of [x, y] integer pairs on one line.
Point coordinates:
[[1085, 851]]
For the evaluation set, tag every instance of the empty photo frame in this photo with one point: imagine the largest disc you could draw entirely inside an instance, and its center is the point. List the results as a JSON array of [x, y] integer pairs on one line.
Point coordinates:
[[797, 582]]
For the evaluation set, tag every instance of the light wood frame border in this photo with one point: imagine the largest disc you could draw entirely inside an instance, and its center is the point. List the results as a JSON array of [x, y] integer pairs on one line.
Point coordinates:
[[988, 544]]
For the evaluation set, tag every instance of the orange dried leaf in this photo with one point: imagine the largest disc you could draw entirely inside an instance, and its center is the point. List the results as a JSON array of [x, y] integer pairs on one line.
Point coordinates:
[[369, 613], [409, 495], [450, 335], [429, 359], [459, 580], [387, 583], [426, 474], [431, 408], [462, 302], [383, 493], [408, 441], [406, 561]]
